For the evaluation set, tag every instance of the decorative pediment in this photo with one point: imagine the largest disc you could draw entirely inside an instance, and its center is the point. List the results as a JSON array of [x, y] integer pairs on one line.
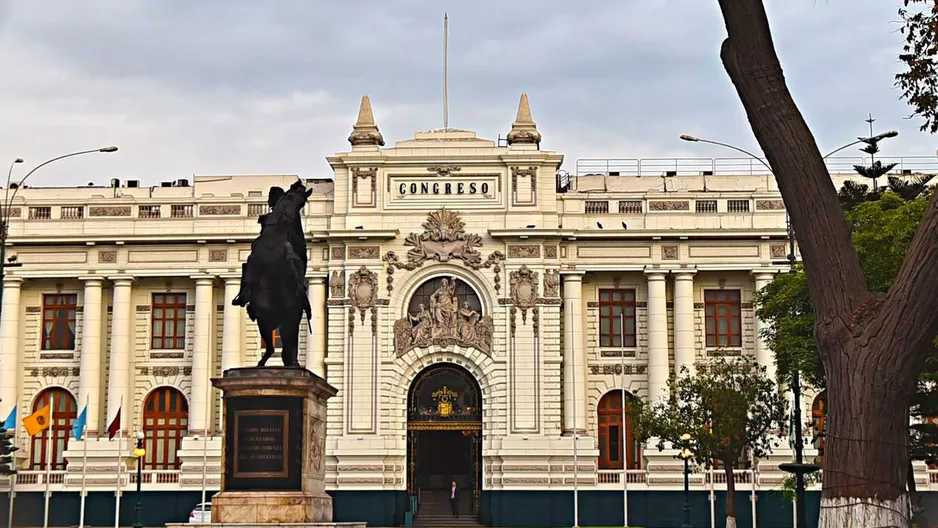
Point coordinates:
[[444, 238]]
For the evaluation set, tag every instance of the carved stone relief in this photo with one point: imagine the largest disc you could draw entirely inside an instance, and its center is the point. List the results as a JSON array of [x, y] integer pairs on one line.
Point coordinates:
[[523, 290], [444, 239], [219, 210], [337, 285], [550, 252], [363, 252], [778, 251], [444, 170], [218, 255], [444, 323], [524, 251], [770, 205], [551, 283], [338, 253], [109, 211], [363, 289], [669, 252], [618, 369], [668, 205], [107, 257]]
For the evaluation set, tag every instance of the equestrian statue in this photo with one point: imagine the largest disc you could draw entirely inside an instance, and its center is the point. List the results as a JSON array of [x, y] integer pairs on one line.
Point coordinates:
[[273, 279]]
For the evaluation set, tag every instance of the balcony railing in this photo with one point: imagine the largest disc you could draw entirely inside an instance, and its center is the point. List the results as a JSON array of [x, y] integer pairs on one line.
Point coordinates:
[[737, 166], [614, 476]]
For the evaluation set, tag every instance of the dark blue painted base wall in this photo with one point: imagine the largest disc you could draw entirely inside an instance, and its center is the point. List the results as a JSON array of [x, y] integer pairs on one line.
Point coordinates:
[[650, 509]]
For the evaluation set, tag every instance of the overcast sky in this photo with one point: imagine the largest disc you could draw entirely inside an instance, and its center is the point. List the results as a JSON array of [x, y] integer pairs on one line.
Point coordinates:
[[272, 87]]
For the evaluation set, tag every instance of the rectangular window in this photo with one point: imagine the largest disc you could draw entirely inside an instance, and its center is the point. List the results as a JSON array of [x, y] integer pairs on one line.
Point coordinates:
[[169, 321], [723, 321], [617, 308], [58, 321], [277, 342]]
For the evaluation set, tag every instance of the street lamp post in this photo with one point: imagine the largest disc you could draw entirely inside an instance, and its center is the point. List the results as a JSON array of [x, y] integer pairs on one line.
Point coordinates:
[[139, 452], [8, 200], [685, 455]]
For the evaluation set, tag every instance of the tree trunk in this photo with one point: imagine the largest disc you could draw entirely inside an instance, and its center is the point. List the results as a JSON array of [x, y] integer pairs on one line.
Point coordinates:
[[730, 494], [919, 512], [866, 448], [872, 347]]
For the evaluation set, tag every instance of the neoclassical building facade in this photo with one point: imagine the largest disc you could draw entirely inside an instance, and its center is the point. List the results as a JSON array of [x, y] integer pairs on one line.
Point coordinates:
[[478, 310]]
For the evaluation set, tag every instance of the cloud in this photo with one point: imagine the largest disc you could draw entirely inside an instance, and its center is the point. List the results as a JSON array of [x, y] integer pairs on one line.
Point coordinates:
[[239, 86]]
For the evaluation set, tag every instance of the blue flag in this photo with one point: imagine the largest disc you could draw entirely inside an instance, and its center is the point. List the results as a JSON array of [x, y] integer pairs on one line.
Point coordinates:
[[78, 430], [10, 422]]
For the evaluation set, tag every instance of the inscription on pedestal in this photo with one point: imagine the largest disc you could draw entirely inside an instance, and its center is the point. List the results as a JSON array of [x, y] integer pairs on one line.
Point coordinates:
[[261, 444]]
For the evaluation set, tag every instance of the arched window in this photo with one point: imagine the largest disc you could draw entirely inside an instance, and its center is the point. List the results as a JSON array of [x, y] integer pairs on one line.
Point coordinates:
[[611, 427], [165, 422], [64, 413], [461, 290], [819, 418]]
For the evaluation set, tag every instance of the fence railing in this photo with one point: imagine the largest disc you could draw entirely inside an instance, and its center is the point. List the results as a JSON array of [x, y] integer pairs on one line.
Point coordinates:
[[738, 166]]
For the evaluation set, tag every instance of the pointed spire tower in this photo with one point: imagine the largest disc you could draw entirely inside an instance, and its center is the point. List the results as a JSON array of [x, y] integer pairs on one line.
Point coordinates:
[[365, 133], [524, 130]]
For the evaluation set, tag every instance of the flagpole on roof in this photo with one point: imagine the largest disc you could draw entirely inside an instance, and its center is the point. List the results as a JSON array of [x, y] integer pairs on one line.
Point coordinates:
[[50, 432], [84, 462]]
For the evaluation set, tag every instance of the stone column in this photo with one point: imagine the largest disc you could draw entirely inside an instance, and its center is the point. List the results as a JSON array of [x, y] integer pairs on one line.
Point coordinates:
[[89, 383], [574, 356], [119, 378], [764, 356], [316, 343], [199, 398], [10, 345], [684, 342], [657, 335], [232, 340]]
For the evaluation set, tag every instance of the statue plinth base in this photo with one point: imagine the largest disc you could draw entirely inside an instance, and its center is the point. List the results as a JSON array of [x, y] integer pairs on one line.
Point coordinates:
[[271, 507], [273, 469]]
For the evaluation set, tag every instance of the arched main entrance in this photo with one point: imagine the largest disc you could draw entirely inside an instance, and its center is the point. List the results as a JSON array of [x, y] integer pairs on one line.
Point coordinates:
[[444, 434]]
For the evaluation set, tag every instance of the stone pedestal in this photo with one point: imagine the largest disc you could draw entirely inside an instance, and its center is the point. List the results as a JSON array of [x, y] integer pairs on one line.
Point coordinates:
[[273, 469]]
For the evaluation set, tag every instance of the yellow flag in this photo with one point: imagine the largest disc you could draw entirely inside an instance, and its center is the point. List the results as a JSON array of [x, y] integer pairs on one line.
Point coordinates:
[[38, 421]]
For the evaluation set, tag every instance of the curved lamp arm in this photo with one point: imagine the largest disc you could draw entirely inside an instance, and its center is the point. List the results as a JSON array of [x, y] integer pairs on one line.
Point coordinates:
[[695, 139], [9, 200]]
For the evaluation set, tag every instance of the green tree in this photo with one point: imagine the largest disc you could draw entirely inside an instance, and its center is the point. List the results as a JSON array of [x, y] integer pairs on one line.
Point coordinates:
[[873, 345], [729, 409], [919, 81], [882, 231]]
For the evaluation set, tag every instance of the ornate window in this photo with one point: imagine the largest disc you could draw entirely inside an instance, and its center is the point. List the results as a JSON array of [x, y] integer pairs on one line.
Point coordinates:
[[165, 422], [445, 393], [819, 420], [169, 321], [58, 321], [722, 314], [64, 412], [617, 308], [611, 427], [278, 343]]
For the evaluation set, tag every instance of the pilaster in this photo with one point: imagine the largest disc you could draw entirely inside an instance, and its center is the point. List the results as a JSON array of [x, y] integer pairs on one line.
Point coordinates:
[[10, 345], [574, 356], [119, 369], [89, 384], [658, 362]]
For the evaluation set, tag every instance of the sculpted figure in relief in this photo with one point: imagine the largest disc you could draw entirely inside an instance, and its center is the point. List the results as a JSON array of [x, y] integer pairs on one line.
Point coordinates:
[[445, 323]]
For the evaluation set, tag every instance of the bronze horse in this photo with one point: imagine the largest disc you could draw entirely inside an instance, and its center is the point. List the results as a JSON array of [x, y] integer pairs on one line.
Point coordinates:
[[273, 286]]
